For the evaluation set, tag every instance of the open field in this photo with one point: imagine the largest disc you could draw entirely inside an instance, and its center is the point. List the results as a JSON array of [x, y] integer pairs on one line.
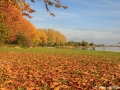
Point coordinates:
[[58, 69]]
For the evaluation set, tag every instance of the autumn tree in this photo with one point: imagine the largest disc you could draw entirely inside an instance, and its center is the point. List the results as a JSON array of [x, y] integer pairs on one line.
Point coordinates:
[[13, 25], [54, 37], [10, 17], [25, 8], [23, 40], [43, 38], [4, 34]]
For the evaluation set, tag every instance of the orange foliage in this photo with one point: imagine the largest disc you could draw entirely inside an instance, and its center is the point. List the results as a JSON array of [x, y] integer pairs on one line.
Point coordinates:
[[12, 18], [26, 9]]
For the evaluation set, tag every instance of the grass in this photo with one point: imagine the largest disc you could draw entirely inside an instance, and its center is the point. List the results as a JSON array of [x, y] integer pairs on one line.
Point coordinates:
[[63, 51], [57, 50]]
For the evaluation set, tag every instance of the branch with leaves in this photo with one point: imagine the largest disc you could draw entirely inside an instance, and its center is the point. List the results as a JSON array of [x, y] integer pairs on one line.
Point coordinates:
[[26, 9], [56, 3]]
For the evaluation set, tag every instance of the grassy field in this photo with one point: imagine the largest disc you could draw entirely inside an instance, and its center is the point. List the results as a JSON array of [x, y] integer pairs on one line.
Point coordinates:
[[58, 69], [58, 50]]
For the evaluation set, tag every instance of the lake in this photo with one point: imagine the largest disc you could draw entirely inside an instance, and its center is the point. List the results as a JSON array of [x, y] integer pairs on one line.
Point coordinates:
[[116, 49]]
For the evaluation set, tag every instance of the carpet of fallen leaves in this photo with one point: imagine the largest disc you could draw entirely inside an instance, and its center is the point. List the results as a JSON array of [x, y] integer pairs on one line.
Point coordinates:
[[45, 71]]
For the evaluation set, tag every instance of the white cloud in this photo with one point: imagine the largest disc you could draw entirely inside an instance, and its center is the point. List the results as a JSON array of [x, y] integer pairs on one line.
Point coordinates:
[[95, 35], [110, 30]]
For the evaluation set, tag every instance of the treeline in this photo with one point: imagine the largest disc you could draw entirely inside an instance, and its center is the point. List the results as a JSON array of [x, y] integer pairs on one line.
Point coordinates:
[[83, 45], [15, 29], [54, 38]]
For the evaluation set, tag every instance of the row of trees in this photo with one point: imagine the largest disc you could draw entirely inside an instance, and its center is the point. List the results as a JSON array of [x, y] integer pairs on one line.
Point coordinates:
[[54, 38], [42, 37], [14, 29], [82, 43]]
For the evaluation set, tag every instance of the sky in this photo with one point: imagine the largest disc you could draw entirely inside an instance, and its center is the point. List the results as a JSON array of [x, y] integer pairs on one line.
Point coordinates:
[[95, 21]]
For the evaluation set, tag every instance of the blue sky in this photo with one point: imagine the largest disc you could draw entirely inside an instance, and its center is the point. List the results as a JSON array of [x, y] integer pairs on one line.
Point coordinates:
[[95, 21]]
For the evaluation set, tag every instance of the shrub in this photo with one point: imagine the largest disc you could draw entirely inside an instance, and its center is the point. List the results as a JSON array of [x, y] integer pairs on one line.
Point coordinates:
[[23, 40]]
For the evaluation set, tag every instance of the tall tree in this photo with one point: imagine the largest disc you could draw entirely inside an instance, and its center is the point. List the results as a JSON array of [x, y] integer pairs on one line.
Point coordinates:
[[13, 25], [54, 37], [10, 17]]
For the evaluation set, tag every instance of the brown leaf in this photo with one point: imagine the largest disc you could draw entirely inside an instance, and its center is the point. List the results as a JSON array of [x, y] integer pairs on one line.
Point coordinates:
[[57, 88], [65, 7], [33, 1], [50, 3], [52, 14], [57, 5]]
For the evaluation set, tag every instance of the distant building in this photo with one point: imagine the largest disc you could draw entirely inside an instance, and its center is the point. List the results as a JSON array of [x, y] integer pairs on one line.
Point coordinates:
[[119, 44]]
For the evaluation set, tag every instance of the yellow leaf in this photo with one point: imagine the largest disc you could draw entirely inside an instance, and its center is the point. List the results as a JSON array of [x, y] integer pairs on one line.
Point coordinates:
[[9, 81], [42, 81], [54, 84], [2, 88], [57, 88]]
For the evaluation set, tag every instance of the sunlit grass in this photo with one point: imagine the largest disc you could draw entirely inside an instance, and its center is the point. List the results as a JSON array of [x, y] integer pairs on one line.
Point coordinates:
[[59, 50]]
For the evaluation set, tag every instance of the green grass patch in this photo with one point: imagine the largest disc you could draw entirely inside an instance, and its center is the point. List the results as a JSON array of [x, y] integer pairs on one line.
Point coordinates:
[[59, 50]]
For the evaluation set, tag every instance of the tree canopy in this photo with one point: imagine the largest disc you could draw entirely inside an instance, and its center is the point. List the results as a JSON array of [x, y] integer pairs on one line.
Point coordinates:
[[15, 29], [25, 8]]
